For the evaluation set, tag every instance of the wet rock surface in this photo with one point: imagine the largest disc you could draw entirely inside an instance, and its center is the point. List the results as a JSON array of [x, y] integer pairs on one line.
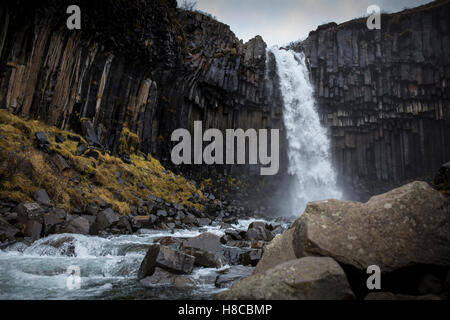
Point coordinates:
[[162, 277], [232, 275], [148, 265]]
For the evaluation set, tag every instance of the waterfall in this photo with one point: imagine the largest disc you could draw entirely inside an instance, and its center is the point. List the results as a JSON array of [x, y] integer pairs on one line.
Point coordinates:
[[308, 144]]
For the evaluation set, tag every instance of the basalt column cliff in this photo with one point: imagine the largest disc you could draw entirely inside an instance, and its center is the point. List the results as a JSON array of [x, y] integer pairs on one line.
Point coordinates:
[[137, 71], [134, 73], [385, 95], [144, 67]]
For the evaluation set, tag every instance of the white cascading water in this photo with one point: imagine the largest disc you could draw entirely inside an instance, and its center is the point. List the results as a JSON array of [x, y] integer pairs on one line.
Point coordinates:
[[108, 267], [308, 143]]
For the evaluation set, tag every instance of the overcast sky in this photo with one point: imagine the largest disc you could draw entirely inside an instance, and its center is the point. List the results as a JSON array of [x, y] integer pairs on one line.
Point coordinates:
[[282, 21]]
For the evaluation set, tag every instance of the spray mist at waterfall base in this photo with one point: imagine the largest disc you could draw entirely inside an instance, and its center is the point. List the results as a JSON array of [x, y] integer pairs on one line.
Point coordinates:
[[309, 156]]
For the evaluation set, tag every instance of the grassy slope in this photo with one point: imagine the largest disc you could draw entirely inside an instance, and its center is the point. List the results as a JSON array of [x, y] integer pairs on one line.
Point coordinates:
[[24, 169]]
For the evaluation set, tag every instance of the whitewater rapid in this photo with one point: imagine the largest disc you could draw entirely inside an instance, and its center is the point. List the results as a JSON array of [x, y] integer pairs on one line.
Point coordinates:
[[108, 267], [308, 143]]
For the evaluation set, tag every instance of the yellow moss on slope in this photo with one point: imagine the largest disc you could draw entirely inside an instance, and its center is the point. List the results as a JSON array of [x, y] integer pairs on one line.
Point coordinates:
[[24, 169], [128, 142]]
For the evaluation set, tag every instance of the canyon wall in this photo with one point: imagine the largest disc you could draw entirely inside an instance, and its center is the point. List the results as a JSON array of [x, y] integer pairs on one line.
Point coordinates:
[[384, 95], [109, 75], [137, 70], [145, 66], [224, 83]]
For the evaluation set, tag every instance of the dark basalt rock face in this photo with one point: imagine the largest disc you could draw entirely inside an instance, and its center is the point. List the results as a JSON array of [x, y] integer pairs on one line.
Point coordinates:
[[385, 95], [143, 67], [225, 81], [149, 68], [113, 71]]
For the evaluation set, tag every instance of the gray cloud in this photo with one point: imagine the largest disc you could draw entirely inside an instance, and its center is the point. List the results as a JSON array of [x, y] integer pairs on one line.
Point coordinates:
[[282, 21]]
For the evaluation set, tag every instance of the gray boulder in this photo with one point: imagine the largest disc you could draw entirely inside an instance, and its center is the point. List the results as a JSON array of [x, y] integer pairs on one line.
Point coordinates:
[[31, 215], [207, 249], [233, 234], [41, 138], [91, 209], [278, 251], [125, 224], [206, 241], [7, 231], [29, 211], [41, 197], [54, 219], [81, 149], [203, 222], [107, 218], [404, 227], [251, 257], [60, 162], [205, 258], [230, 276], [148, 265], [259, 231], [78, 225], [310, 278], [233, 255], [33, 229], [175, 261], [162, 277]]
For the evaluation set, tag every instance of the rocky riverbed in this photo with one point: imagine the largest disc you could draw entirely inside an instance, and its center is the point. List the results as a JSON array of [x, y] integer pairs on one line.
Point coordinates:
[[86, 184], [111, 268], [330, 252], [66, 201], [324, 254]]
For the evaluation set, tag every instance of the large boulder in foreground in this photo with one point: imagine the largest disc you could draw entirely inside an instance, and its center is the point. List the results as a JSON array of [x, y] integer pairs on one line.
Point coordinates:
[[310, 278], [404, 227], [279, 250]]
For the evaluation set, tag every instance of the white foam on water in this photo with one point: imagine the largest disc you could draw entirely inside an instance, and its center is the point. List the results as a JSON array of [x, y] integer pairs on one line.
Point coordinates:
[[108, 266]]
